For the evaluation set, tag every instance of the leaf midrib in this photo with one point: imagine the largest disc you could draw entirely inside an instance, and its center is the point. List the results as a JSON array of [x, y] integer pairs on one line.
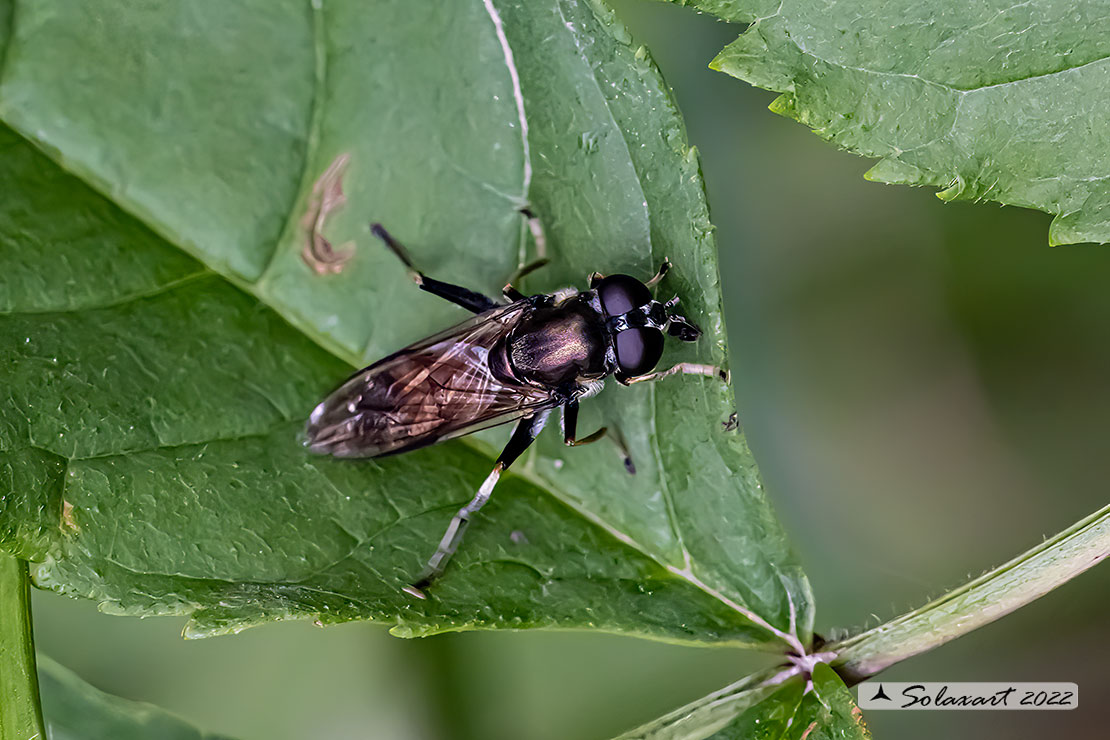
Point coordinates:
[[664, 484], [686, 572]]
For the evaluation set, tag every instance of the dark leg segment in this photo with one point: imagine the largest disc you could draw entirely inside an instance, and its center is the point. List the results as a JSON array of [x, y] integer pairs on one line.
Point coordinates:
[[528, 269], [512, 294], [570, 428], [523, 436], [468, 299]]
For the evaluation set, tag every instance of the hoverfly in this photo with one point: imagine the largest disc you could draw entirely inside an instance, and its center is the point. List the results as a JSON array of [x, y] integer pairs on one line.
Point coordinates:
[[512, 361]]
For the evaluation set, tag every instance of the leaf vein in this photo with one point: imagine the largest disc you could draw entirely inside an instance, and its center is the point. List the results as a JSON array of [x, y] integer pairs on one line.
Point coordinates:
[[950, 88], [120, 301]]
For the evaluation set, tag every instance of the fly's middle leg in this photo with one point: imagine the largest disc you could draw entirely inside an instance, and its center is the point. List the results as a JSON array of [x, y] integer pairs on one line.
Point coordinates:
[[523, 436], [570, 429], [535, 227], [458, 295]]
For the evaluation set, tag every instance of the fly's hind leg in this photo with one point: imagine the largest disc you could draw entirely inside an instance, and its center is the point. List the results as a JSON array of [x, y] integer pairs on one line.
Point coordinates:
[[523, 436], [458, 295], [570, 429]]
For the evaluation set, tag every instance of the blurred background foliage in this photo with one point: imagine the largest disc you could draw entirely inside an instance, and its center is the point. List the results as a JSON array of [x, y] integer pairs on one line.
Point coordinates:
[[925, 386]]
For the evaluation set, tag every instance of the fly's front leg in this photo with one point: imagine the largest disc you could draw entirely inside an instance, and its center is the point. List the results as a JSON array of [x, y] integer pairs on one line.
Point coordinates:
[[525, 270], [540, 240], [596, 277], [523, 436], [663, 270], [458, 295], [570, 428], [684, 368], [509, 291], [535, 227]]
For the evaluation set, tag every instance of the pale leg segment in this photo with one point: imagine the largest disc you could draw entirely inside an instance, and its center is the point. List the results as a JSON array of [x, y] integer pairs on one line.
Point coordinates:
[[523, 436], [684, 368], [453, 536]]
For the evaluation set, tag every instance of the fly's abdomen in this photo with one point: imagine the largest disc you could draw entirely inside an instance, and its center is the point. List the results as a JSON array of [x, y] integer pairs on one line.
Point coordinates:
[[357, 420], [405, 402], [443, 387]]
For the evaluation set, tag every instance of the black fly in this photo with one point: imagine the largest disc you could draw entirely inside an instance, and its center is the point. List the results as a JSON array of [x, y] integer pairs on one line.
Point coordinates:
[[512, 361]]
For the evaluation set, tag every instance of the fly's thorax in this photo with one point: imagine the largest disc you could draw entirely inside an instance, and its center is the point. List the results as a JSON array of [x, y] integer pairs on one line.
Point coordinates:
[[561, 344]]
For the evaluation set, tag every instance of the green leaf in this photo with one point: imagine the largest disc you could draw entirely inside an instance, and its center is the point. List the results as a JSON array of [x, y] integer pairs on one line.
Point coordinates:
[[989, 101], [770, 719], [705, 716], [77, 711], [775, 704], [177, 295], [828, 711]]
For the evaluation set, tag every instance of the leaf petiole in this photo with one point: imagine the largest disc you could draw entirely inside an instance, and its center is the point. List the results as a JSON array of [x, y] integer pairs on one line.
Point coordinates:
[[20, 710], [981, 601]]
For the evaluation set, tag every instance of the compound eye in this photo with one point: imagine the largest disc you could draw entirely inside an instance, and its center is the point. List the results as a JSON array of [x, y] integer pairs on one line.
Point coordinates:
[[622, 293], [638, 350]]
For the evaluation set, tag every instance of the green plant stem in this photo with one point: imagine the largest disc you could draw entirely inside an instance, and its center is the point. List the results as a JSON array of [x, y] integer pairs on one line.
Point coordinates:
[[20, 711], [989, 597]]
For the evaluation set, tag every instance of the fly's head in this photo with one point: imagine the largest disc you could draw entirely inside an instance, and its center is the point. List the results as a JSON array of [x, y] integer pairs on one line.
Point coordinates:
[[637, 324]]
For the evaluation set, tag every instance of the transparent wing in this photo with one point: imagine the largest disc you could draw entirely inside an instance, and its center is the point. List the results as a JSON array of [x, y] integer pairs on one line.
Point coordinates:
[[437, 389]]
